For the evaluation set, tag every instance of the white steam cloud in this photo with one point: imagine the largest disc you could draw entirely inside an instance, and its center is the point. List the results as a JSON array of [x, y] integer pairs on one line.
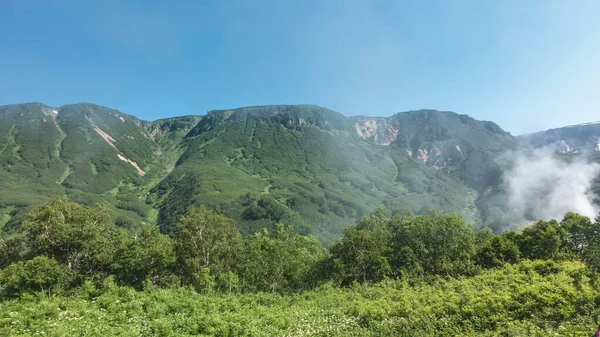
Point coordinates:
[[541, 186]]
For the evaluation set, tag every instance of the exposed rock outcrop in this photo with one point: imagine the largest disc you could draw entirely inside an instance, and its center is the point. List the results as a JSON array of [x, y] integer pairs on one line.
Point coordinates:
[[378, 130]]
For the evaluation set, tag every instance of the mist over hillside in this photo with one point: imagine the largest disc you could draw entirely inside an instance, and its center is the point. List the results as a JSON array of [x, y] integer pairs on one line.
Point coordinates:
[[300, 165]]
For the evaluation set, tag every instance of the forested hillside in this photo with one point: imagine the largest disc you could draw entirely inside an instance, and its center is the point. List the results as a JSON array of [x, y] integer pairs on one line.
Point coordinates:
[[300, 165], [69, 270], [90, 153]]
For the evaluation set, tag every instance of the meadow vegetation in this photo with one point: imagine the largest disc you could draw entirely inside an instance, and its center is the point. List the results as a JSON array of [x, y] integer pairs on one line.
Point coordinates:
[[70, 270]]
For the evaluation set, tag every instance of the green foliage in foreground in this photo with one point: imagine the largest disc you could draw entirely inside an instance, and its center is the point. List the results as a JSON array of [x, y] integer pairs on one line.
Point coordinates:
[[527, 299], [71, 271]]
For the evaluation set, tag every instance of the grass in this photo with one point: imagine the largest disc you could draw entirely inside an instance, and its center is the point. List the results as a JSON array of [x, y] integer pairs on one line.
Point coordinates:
[[513, 301]]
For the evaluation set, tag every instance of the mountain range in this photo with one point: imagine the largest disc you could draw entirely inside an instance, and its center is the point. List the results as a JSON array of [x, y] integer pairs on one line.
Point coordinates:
[[301, 165]]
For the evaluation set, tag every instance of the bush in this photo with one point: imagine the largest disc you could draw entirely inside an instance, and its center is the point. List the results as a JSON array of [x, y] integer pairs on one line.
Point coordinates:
[[38, 274]]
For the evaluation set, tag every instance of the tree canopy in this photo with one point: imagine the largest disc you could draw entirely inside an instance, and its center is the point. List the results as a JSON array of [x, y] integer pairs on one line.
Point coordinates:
[[68, 250]]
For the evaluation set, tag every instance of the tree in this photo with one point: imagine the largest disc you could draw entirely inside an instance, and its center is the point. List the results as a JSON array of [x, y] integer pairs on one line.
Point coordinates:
[[144, 255], [228, 281], [261, 267], [483, 236], [10, 249], [281, 260], [577, 231], [205, 240], [361, 255], [38, 274], [68, 232], [497, 251], [432, 244], [541, 241], [583, 237]]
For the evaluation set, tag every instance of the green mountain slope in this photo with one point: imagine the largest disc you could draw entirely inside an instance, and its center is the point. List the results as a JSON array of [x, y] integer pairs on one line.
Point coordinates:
[[302, 165], [457, 146], [91, 153], [316, 169]]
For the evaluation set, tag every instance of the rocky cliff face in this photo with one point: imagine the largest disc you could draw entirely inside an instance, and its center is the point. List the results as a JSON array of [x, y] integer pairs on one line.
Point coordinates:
[[378, 131], [427, 141], [381, 131], [570, 139]]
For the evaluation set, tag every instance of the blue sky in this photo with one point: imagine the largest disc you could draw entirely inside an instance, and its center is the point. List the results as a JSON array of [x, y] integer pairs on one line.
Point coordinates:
[[527, 65]]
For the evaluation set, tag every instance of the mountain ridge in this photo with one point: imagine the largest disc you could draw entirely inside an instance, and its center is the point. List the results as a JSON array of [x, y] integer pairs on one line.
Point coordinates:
[[303, 165], [258, 107]]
